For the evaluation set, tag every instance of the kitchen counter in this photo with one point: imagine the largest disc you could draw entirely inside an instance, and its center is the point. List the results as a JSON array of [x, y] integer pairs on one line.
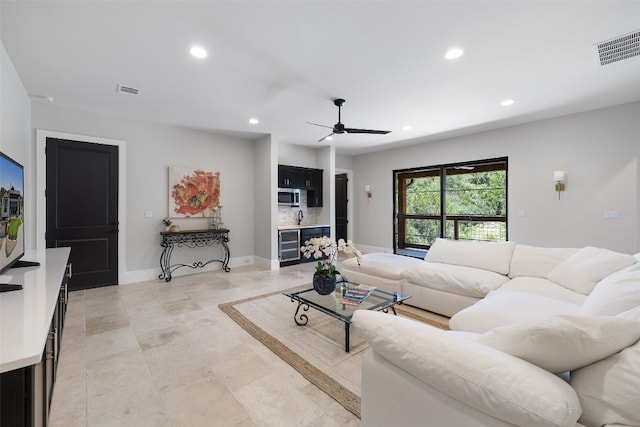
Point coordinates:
[[294, 227]]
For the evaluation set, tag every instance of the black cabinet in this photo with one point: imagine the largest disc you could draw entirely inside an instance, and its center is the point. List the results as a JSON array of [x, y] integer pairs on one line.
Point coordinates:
[[305, 179], [314, 193], [288, 176], [312, 233]]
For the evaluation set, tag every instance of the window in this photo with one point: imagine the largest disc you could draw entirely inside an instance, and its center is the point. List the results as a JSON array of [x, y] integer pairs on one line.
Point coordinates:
[[465, 201]]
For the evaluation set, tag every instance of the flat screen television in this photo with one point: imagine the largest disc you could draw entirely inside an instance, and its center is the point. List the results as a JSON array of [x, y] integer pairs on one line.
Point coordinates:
[[12, 226]]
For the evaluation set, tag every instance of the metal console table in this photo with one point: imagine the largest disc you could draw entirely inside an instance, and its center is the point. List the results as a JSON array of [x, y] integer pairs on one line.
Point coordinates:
[[192, 239]]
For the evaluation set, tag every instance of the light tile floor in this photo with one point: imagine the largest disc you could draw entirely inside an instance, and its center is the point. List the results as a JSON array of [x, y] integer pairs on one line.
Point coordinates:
[[158, 354]]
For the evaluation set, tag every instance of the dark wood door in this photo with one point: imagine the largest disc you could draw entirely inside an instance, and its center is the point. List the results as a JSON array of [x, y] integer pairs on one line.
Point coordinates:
[[82, 209], [341, 206]]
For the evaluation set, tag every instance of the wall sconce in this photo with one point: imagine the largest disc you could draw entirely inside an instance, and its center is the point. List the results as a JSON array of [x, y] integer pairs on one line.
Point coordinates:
[[558, 177], [367, 189]]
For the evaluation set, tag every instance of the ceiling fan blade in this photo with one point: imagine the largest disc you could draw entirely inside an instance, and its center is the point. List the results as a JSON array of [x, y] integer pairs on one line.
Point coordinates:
[[339, 128], [320, 140], [322, 126], [377, 132]]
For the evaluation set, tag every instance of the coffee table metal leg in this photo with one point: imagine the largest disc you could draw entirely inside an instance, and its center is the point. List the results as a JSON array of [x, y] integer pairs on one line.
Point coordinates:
[[346, 337], [392, 307], [303, 317]]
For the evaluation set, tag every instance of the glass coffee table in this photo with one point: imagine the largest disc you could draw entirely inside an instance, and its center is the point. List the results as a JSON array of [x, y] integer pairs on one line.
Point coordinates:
[[331, 304]]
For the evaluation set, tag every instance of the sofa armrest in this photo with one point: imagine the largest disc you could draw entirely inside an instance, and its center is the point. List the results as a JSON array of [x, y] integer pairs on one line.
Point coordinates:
[[495, 383]]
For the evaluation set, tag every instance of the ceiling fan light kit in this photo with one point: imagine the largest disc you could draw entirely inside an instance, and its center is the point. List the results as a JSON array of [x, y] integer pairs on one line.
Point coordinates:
[[339, 127]]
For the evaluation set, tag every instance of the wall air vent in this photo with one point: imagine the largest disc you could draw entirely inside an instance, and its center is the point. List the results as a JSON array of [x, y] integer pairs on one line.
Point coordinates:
[[127, 89], [619, 48]]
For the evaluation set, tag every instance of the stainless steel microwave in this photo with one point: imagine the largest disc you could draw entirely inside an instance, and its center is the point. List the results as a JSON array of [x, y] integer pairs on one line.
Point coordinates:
[[288, 197]]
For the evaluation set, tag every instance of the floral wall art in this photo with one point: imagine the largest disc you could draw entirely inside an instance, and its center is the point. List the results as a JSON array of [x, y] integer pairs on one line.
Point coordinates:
[[193, 193]]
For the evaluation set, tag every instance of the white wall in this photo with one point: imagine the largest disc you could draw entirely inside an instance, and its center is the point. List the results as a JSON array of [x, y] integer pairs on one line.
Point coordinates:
[[265, 213], [599, 150], [294, 155], [326, 161], [344, 162], [15, 137], [151, 148]]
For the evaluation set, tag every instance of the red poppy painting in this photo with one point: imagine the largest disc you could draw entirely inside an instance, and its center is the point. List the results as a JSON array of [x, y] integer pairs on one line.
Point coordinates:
[[193, 192]]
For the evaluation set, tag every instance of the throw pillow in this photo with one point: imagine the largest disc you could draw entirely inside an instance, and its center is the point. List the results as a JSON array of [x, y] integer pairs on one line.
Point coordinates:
[[534, 261], [609, 390], [582, 270], [632, 314], [614, 294], [563, 343]]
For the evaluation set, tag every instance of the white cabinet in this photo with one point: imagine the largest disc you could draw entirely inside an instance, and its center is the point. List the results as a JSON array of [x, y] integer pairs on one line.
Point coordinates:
[[31, 326]]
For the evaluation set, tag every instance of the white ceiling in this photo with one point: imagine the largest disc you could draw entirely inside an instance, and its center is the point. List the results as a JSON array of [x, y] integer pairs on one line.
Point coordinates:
[[283, 62]]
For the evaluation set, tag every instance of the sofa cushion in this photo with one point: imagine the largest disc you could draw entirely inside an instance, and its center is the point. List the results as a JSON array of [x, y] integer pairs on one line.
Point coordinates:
[[544, 287], [490, 381], [533, 261], [492, 256], [455, 279], [614, 294], [389, 266], [582, 270], [501, 308], [564, 343], [609, 390]]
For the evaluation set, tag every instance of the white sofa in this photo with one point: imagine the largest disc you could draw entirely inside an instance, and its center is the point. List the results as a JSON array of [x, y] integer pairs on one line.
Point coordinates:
[[496, 367], [455, 275], [418, 375]]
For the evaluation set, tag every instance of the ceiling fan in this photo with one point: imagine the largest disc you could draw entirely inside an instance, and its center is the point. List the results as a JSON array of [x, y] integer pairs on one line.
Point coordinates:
[[339, 128]]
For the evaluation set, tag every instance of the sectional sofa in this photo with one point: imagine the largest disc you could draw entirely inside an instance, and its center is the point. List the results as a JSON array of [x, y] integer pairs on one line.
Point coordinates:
[[539, 337]]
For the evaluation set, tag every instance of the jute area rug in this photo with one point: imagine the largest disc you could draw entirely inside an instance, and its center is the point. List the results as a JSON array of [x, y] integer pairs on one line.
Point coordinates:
[[316, 350]]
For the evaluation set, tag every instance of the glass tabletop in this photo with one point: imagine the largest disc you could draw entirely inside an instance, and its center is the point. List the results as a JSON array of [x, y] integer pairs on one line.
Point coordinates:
[[332, 304]]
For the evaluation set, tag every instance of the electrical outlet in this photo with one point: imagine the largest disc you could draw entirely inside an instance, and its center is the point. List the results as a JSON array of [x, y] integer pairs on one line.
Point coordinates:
[[148, 214], [611, 214]]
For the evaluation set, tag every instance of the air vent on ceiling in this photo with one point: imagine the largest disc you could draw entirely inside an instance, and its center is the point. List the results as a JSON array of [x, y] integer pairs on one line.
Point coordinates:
[[619, 48], [127, 89]]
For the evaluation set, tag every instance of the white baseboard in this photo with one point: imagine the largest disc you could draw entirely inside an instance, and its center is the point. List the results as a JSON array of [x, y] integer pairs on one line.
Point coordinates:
[[269, 264], [136, 276], [241, 261], [139, 276]]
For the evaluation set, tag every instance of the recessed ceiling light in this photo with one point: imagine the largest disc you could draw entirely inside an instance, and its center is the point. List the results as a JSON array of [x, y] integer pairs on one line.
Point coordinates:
[[329, 138], [454, 53], [254, 121], [406, 127], [198, 52], [507, 102]]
